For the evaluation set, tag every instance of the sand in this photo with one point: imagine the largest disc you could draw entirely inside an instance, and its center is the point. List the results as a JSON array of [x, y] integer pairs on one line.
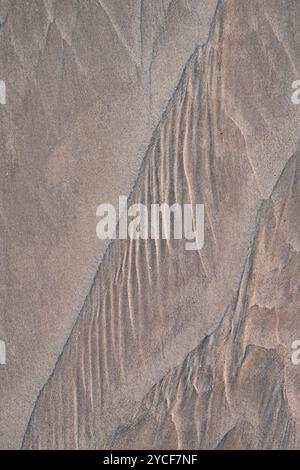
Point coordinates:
[[142, 344]]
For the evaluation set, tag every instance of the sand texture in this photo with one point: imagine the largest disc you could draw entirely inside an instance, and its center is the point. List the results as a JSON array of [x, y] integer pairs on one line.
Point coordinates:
[[140, 343]]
